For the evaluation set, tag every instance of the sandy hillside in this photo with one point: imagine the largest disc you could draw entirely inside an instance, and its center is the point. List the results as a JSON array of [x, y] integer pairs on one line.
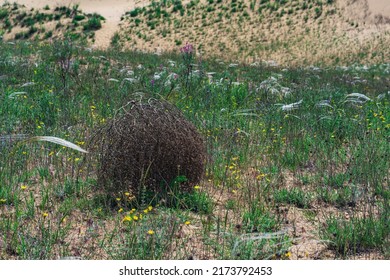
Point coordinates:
[[111, 10], [354, 26]]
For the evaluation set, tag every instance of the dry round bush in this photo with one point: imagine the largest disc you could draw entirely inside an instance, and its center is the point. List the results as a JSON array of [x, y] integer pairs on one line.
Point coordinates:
[[148, 145]]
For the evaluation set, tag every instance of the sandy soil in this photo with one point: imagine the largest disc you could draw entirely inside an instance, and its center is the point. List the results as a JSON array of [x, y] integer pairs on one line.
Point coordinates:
[[380, 7]]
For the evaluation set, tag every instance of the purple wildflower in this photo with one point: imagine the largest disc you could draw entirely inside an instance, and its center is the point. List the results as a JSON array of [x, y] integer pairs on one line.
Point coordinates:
[[187, 49]]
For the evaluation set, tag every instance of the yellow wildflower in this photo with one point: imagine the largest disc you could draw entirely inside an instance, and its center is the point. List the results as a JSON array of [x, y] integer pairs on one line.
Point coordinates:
[[150, 232], [187, 223], [45, 214], [127, 219], [120, 210], [135, 218], [150, 208], [23, 187]]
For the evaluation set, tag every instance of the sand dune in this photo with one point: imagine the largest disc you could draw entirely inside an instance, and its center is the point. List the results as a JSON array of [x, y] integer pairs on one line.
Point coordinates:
[[113, 9], [367, 11]]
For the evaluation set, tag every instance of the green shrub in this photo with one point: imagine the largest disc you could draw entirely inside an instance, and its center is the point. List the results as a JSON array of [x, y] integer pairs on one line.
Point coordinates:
[[3, 13], [93, 23], [318, 12], [29, 21], [137, 21], [135, 12], [7, 24], [115, 39], [48, 34], [79, 17]]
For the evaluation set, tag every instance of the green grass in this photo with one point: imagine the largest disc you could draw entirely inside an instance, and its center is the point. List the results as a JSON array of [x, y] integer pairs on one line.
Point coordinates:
[[357, 235], [295, 196], [323, 156]]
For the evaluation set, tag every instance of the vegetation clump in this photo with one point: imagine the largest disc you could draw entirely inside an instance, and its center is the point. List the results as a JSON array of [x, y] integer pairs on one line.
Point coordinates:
[[93, 23], [149, 145]]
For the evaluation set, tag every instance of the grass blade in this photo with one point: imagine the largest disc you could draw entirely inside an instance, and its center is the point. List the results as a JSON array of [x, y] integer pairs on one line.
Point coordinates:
[[57, 140]]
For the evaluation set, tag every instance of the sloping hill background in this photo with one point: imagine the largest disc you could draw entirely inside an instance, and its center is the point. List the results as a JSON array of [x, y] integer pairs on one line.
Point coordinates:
[[289, 32]]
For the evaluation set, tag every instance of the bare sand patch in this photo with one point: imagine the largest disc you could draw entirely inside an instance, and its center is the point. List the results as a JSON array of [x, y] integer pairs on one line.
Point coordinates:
[[112, 10], [379, 7], [366, 11]]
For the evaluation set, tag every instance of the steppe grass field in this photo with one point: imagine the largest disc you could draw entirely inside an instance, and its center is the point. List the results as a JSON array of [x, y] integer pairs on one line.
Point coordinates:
[[297, 158], [297, 163]]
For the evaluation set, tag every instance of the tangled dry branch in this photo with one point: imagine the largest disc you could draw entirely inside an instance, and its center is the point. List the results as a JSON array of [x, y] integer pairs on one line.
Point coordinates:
[[148, 145]]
